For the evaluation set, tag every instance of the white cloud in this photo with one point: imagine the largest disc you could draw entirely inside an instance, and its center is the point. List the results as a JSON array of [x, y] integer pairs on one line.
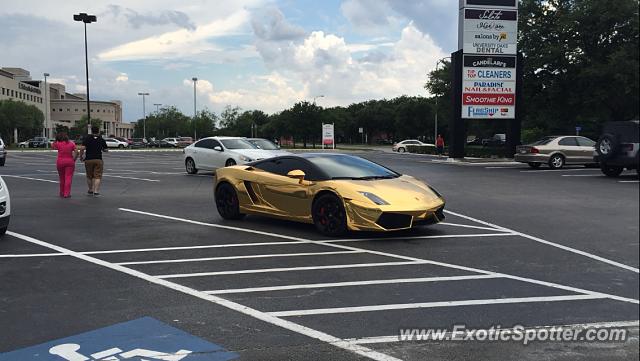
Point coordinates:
[[122, 77], [368, 16], [324, 64], [203, 86], [179, 43]]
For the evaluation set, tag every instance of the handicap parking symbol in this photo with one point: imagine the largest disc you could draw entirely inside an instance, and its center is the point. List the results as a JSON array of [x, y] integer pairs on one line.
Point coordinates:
[[144, 339]]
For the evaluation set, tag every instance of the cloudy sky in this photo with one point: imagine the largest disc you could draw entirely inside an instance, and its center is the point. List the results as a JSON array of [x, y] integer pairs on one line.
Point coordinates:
[[256, 54]]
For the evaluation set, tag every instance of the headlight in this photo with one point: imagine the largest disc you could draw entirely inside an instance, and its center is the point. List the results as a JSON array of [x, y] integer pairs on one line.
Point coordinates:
[[374, 198], [245, 159]]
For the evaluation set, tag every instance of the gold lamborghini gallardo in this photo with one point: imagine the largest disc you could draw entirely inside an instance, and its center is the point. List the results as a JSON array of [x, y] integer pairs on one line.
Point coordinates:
[[336, 192]]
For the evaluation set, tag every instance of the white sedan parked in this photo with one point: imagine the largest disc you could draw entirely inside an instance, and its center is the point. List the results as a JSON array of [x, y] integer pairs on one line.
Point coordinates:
[[5, 207], [217, 152], [115, 143], [401, 147]]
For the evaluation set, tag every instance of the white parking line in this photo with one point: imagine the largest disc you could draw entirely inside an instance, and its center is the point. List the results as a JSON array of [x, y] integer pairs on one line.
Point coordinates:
[[404, 306], [448, 335], [351, 283], [360, 350], [26, 255], [583, 175], [193, 247], [559, 170], [468, 226], [134, 178], [629, 181], [288, 269], [30, 178], [566, 248], [409, 258], [418, 237], [275, 255]]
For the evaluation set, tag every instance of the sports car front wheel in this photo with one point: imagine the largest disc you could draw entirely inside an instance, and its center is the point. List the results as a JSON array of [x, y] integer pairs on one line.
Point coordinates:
[[227, 202], [329, 216]]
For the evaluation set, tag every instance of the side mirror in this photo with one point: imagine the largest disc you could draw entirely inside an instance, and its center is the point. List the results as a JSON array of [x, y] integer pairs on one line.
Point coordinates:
[[218, 148], [297, 174]]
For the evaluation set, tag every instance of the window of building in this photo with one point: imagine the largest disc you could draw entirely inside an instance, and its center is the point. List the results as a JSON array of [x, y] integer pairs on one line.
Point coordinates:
[[91, 110], [68, 109], [60, 109], [2, 91], [76, 110]]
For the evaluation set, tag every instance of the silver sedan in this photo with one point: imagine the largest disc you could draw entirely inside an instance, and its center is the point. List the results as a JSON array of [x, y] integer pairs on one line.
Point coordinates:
[[557, 151]]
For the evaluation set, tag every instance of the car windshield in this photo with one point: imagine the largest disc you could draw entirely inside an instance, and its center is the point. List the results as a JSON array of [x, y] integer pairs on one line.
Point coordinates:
[[544, 141], [350, 167], [263, 144], [237, 144]]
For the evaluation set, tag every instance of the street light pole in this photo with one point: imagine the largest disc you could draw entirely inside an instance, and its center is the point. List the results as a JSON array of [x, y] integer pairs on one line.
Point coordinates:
[[157, 107], [46, 108], [435, 131], [195, 135], [317, 96], [144, 116], [86, 19]]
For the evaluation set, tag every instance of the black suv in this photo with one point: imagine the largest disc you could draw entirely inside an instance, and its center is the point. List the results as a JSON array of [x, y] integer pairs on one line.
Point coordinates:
[[38, 142], [617, 147]]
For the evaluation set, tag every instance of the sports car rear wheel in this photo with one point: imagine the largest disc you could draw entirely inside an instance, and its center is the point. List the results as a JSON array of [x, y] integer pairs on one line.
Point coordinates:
[[329, 215], [227, 202]]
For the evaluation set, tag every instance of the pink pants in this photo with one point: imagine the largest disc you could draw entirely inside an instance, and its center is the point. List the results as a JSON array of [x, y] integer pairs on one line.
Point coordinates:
[[65, 171]]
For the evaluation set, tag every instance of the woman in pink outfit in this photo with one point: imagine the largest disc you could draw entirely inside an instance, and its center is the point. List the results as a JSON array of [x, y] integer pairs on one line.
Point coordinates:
[[66, 162]]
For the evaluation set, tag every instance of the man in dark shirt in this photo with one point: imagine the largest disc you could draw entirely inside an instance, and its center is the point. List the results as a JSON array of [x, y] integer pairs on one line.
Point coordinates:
[[91, 151]]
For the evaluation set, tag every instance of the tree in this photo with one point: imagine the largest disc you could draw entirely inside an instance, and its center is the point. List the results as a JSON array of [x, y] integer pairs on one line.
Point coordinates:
[[28, 120], [80, 127]]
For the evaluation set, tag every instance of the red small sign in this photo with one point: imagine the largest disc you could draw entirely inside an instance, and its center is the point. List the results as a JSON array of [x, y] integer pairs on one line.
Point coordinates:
[[488, 99]]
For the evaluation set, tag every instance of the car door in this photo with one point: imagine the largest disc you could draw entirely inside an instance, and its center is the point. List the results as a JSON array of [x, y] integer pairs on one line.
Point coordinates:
[[199, 153], [285, 195], [215, 158], [587, 149], [569, 147]]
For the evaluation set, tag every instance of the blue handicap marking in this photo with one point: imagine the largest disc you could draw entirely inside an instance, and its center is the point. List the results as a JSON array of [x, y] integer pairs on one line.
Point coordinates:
[[144, 339]]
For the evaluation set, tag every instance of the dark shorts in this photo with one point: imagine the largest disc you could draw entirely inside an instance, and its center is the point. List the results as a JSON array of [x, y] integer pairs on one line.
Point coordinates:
[[93, 168], [440, 150]]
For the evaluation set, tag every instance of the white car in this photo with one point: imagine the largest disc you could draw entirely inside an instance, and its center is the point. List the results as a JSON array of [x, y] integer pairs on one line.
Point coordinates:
[[216, 152], [268, 145], [24, 144], [115, 143], [3, 153], [5, 207], [401, 147], [172, 141]]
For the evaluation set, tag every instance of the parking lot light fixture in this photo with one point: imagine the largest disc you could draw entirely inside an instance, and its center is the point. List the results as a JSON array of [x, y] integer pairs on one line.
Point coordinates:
[[195, 135], [86, 19], [144, 115], [46, 108]]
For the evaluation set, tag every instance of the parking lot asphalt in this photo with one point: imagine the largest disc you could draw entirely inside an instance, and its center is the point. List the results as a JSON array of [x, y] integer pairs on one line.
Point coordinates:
[[519, 247]]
